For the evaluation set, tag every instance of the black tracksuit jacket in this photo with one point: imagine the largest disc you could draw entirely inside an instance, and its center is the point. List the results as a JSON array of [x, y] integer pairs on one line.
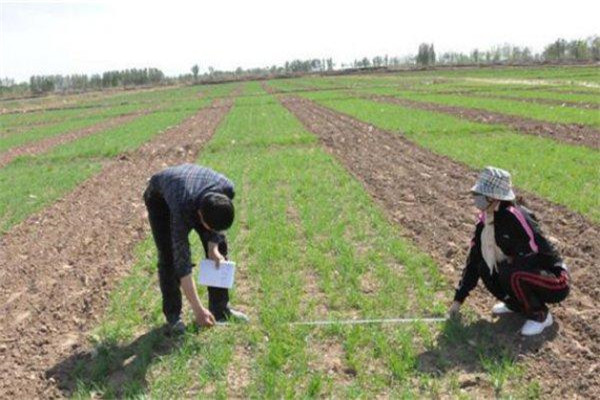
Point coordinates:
[[519, 237]]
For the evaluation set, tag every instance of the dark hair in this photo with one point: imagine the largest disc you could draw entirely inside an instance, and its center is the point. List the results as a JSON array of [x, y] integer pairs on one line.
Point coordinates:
[[217, 211], [518, 201]]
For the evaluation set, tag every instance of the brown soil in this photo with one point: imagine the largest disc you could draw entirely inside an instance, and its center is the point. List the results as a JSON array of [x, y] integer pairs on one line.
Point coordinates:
[[43, 145], [576, 134], [426, 194], [58, 267]]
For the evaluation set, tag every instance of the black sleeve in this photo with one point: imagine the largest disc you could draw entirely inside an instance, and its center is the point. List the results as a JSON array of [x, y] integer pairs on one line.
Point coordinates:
[[209, 236], [470, 274], [216, 237]]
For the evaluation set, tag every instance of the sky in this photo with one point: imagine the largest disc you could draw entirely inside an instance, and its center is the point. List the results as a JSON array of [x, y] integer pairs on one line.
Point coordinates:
[[68, 37]]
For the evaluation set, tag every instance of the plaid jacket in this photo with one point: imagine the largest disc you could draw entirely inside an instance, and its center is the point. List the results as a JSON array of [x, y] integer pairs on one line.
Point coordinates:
[[183, 188]]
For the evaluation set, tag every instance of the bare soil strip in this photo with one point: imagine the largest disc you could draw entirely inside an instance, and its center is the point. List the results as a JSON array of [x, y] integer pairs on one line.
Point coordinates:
[[576, 134], [44, 145], [58, 267], [426, 194]]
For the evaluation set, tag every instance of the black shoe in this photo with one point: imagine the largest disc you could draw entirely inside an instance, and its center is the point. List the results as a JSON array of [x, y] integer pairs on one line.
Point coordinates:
[[232, 315], [175, 328]]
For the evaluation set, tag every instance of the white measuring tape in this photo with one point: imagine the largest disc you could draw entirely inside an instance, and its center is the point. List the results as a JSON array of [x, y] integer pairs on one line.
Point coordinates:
[[368, 321], [358, 321]]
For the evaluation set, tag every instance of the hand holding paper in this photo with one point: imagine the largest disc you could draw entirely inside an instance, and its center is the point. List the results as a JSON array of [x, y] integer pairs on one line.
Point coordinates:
[[210, 275], [214, 254]]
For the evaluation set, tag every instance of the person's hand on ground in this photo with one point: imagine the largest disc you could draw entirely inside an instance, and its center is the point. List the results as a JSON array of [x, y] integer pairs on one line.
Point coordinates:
[[454, 309], [205, 318]]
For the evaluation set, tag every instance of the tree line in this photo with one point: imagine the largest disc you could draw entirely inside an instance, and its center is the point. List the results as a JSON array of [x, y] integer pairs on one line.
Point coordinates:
[[557, 51], [39, 84]]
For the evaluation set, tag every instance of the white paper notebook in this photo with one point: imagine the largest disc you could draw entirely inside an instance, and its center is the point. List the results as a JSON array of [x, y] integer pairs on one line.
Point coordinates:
[[222, 277]]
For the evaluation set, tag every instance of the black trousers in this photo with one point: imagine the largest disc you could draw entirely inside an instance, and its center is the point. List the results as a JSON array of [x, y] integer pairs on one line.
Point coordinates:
[[159, 216], [527, 290]]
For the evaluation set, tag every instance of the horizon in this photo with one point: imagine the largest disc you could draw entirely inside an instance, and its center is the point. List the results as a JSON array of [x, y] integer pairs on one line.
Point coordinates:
[[65, 38]]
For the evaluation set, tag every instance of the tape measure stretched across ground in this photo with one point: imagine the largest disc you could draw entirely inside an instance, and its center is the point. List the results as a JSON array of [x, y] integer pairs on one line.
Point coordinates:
[[368, 321], [359, 321]]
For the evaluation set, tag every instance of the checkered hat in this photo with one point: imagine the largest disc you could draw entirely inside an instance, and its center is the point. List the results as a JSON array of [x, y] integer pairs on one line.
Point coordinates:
[[495, 183]]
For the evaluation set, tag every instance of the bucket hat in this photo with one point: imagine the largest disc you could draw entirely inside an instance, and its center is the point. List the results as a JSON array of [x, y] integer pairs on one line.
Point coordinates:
[[495, 183]]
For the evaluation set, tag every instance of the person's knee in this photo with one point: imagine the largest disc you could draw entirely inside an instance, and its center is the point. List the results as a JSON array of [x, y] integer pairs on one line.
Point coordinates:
[[558, 295]]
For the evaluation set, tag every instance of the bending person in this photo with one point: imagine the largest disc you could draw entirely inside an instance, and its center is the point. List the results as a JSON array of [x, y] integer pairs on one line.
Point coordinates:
[[180, 199], [512, 257]]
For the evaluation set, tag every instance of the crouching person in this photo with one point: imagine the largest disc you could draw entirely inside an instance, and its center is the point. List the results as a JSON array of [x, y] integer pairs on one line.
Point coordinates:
[[179, 199], [512, 257]]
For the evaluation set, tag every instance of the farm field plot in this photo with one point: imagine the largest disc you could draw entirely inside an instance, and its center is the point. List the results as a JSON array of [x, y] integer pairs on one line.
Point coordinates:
[[570, 115], [32, 181], [79, 245], [541, 105], [571, 170], [347, 207]]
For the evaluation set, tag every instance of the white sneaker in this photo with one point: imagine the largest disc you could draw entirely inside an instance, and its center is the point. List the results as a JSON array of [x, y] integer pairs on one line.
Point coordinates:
[[500, 309], [532, 327]]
